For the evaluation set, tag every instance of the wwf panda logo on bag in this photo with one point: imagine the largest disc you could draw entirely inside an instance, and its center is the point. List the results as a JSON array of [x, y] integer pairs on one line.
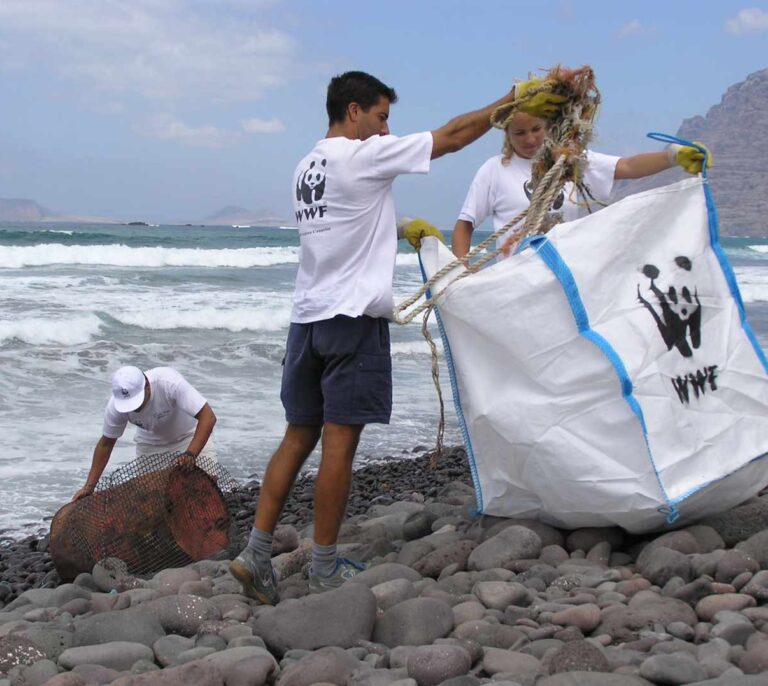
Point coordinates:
[[679, 315]]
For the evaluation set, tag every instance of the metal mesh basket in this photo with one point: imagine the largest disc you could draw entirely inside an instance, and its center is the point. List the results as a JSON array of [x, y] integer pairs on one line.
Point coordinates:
[[152, 513]]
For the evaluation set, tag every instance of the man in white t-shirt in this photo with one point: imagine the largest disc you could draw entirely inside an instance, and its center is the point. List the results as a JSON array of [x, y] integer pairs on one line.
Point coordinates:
[[337, 374], [171, 416]]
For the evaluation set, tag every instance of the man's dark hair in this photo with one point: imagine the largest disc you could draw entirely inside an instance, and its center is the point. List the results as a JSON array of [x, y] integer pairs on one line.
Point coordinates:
[[354, 86]]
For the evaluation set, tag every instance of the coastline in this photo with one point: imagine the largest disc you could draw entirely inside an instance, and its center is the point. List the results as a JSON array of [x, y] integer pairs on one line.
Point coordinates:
[[26, 563]]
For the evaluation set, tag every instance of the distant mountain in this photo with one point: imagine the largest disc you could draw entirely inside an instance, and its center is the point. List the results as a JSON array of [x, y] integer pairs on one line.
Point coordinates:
[[22, 210], [241, 216], [736, 131], [19, 210]]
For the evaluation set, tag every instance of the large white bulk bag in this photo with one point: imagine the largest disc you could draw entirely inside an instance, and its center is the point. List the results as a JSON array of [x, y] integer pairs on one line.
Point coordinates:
[[607, 374]]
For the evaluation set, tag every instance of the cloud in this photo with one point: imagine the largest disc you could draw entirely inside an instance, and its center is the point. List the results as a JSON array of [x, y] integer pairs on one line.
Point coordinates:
[[263, 125], [634, 28], [156, 49], [750, 20], [166, 127]]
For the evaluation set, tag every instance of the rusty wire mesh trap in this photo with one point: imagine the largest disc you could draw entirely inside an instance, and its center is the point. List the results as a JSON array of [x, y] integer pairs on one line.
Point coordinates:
[[152, 513]]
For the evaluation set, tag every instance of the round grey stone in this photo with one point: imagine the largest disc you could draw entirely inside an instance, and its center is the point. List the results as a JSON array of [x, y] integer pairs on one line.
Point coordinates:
[[676, 668], [512, 543], [578, 656], [418, 621], [432, 665], [168, 648], [662, 564], [119, 655], [132, 626], [35, 674], [335, 618]]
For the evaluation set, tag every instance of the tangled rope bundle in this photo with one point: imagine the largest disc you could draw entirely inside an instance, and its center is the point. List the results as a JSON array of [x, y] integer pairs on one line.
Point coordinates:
[[561, 159], [562, 156]]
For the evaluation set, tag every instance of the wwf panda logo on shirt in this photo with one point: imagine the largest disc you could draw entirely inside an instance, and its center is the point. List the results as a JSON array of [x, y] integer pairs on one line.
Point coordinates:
[[310, 185], [528, 187]]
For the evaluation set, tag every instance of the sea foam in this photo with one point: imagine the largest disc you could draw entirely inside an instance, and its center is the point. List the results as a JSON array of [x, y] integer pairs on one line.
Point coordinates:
[[753, 283], [237, 319], [123, 256], [44, 331], [407, 259], [419, 347]]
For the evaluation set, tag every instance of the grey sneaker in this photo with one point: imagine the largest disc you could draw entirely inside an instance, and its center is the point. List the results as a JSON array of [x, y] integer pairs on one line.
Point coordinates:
[[345, 570], [257, 577]]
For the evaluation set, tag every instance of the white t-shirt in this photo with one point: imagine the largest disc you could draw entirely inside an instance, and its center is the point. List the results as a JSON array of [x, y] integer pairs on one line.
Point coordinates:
[[169, 415], [342, 194], [503, 191]]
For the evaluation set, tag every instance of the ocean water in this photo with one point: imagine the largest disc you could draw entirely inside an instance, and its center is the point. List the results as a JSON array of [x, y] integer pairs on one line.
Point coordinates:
[[214, 302]]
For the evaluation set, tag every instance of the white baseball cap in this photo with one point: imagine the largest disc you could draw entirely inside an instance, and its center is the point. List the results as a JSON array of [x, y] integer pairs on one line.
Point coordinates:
[[128, 388]]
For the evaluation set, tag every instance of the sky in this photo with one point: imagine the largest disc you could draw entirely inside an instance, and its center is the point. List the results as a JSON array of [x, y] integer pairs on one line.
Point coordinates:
[[169, 110]]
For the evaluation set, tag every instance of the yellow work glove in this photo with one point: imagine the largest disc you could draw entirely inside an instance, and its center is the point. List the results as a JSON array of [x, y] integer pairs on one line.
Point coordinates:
[[545, 104], [689, 158], [413, 230]]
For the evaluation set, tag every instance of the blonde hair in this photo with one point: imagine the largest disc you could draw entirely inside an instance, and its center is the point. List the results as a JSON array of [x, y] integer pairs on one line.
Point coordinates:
[[507, 151]]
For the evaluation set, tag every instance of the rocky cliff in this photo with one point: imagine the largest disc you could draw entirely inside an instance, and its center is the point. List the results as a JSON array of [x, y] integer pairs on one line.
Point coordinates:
[[736, 131]]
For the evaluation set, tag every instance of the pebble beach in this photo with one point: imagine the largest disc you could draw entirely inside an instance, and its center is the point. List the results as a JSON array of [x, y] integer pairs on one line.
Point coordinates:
[[449, 598], [163, 208]]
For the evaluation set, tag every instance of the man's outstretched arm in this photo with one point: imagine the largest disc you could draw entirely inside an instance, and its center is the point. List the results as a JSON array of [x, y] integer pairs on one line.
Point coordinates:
[[467, 128], [101, 455]]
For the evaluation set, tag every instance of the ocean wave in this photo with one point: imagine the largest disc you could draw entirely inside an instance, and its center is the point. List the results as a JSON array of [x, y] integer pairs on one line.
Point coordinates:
[[235, 320], [42, 331], [759, 248], [407, 259], [411, 348], [14, 257], [753, 283], [35, 232], [35, 236]]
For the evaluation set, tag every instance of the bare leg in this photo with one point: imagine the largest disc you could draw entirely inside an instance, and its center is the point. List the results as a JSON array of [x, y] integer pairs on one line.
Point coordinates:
[[334, 479], [297, 444]]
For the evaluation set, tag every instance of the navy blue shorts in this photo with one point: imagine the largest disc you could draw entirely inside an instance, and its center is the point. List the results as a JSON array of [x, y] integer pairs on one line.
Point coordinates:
[[338, 370]]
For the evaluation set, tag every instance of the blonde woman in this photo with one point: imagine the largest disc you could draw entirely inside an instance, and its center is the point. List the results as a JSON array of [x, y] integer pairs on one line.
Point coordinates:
[[502, 189]]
